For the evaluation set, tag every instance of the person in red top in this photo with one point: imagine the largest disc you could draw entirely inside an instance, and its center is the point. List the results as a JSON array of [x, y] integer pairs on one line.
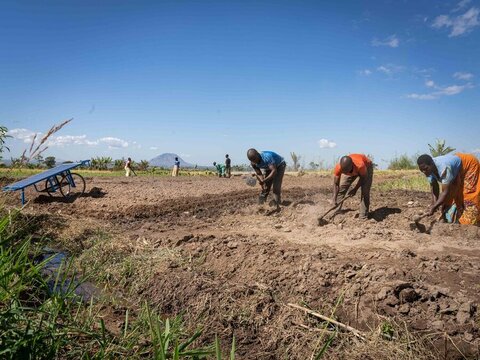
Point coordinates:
[[351, 167]]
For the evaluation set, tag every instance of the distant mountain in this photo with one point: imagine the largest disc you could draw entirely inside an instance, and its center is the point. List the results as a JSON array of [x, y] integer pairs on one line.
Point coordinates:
[[167, 160]]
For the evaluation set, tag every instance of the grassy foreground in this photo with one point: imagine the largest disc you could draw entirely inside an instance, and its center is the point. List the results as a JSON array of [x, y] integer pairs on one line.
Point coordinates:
[[41, 317]]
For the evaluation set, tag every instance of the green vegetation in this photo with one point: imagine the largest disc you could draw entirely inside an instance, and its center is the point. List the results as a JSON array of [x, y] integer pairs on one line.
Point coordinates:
[[143, 165], [296, 161], [25, 172], [402, 162], [400, 180], [39, 320], [100, 163], [50, 161], [439, 148], [3, 138], [387, 330]]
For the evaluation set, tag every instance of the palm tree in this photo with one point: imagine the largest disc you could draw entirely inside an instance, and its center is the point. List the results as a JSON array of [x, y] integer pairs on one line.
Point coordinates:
[[119, 164], [440, 149], [143, 165], [296, 160]]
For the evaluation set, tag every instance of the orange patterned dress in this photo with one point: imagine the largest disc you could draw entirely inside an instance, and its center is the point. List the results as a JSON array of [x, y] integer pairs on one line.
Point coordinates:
[[465, 193]]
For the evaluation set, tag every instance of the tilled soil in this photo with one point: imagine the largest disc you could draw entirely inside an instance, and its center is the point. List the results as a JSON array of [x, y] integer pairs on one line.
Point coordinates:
[[236, 265]]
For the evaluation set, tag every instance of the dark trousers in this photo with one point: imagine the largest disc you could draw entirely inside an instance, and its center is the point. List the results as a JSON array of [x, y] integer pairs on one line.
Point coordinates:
[[347, 181], [276, 182]]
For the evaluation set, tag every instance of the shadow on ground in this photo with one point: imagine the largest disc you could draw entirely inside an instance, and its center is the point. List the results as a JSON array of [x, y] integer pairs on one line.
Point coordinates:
[[94, 192], [382, 213]]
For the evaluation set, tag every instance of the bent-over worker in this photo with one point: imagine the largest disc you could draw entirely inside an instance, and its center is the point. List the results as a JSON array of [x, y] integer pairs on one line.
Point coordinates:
[[274, 166], [459, 176], [346, 171]]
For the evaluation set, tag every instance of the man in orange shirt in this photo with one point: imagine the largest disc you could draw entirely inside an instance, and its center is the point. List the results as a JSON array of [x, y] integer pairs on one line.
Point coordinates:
[[351, 167]]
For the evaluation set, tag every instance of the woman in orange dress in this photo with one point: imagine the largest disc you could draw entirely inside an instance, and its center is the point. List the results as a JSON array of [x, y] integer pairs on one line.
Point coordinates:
[[459, 176]]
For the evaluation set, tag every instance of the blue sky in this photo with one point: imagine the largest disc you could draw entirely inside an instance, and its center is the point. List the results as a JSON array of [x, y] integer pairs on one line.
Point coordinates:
[[205, 78]]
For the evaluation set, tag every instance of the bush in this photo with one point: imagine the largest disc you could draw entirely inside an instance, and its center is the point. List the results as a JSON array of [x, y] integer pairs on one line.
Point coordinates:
[[402, 162]]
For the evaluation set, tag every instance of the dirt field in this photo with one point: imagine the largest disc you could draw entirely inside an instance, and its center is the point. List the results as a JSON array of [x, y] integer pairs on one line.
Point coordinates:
[[202, 247]]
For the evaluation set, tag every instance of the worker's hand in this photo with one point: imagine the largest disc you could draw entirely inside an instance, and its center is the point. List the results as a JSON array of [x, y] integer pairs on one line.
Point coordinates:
[[431, 210], [334, 201], [352, 192]]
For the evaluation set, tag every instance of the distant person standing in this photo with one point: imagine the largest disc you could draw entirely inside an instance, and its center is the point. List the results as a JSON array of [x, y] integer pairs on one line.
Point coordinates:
[[274, 166], [176, 167], [228, 166], [128, 167]]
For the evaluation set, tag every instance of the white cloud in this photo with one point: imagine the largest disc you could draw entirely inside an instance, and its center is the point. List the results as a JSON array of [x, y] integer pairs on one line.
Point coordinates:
[[463, 75], [452, 90], [390, 69], [27, 136], [440, 91], [384, 69], [462, 4], [113, 142], [365, 72], [324, 143], [153, 148], [476, 151], [70, 140], [421, 96], [460, 24], [24, 135], [430, 83], [391, 41]]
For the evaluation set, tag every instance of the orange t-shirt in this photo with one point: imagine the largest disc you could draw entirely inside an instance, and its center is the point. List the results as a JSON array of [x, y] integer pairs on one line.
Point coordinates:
[[360, 164]]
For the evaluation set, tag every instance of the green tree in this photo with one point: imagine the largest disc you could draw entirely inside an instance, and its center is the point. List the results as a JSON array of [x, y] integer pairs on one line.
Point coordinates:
[[143, 165], [439, 148], [119, 164], [50, 161], [296, 160], [17, 162], [313, 165], [100, 163], [39, 159], [3, 138]]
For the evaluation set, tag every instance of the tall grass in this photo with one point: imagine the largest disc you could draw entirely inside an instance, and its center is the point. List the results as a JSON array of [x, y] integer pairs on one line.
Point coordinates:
[[408, 182], [41, 321]]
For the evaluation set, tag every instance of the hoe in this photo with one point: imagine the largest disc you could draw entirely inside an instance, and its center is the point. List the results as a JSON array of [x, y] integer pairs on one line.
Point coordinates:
[[322, 221]]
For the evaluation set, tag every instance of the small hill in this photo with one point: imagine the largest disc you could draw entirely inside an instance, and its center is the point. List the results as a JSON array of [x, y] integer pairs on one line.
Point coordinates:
[[167, 160]]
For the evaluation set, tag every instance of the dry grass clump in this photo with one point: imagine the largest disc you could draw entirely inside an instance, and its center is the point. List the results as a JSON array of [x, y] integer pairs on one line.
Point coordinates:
[[37, 149]]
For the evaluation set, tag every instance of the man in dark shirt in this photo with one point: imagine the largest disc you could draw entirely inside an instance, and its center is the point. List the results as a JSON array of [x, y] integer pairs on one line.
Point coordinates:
[[228, 166]]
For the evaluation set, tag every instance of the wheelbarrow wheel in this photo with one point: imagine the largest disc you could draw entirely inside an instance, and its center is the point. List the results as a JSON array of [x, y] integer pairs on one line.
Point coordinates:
[[72, 185], [49, 189]]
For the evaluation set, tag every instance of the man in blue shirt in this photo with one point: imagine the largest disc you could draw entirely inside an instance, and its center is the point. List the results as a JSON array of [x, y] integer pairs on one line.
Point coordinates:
[[274, 167]]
